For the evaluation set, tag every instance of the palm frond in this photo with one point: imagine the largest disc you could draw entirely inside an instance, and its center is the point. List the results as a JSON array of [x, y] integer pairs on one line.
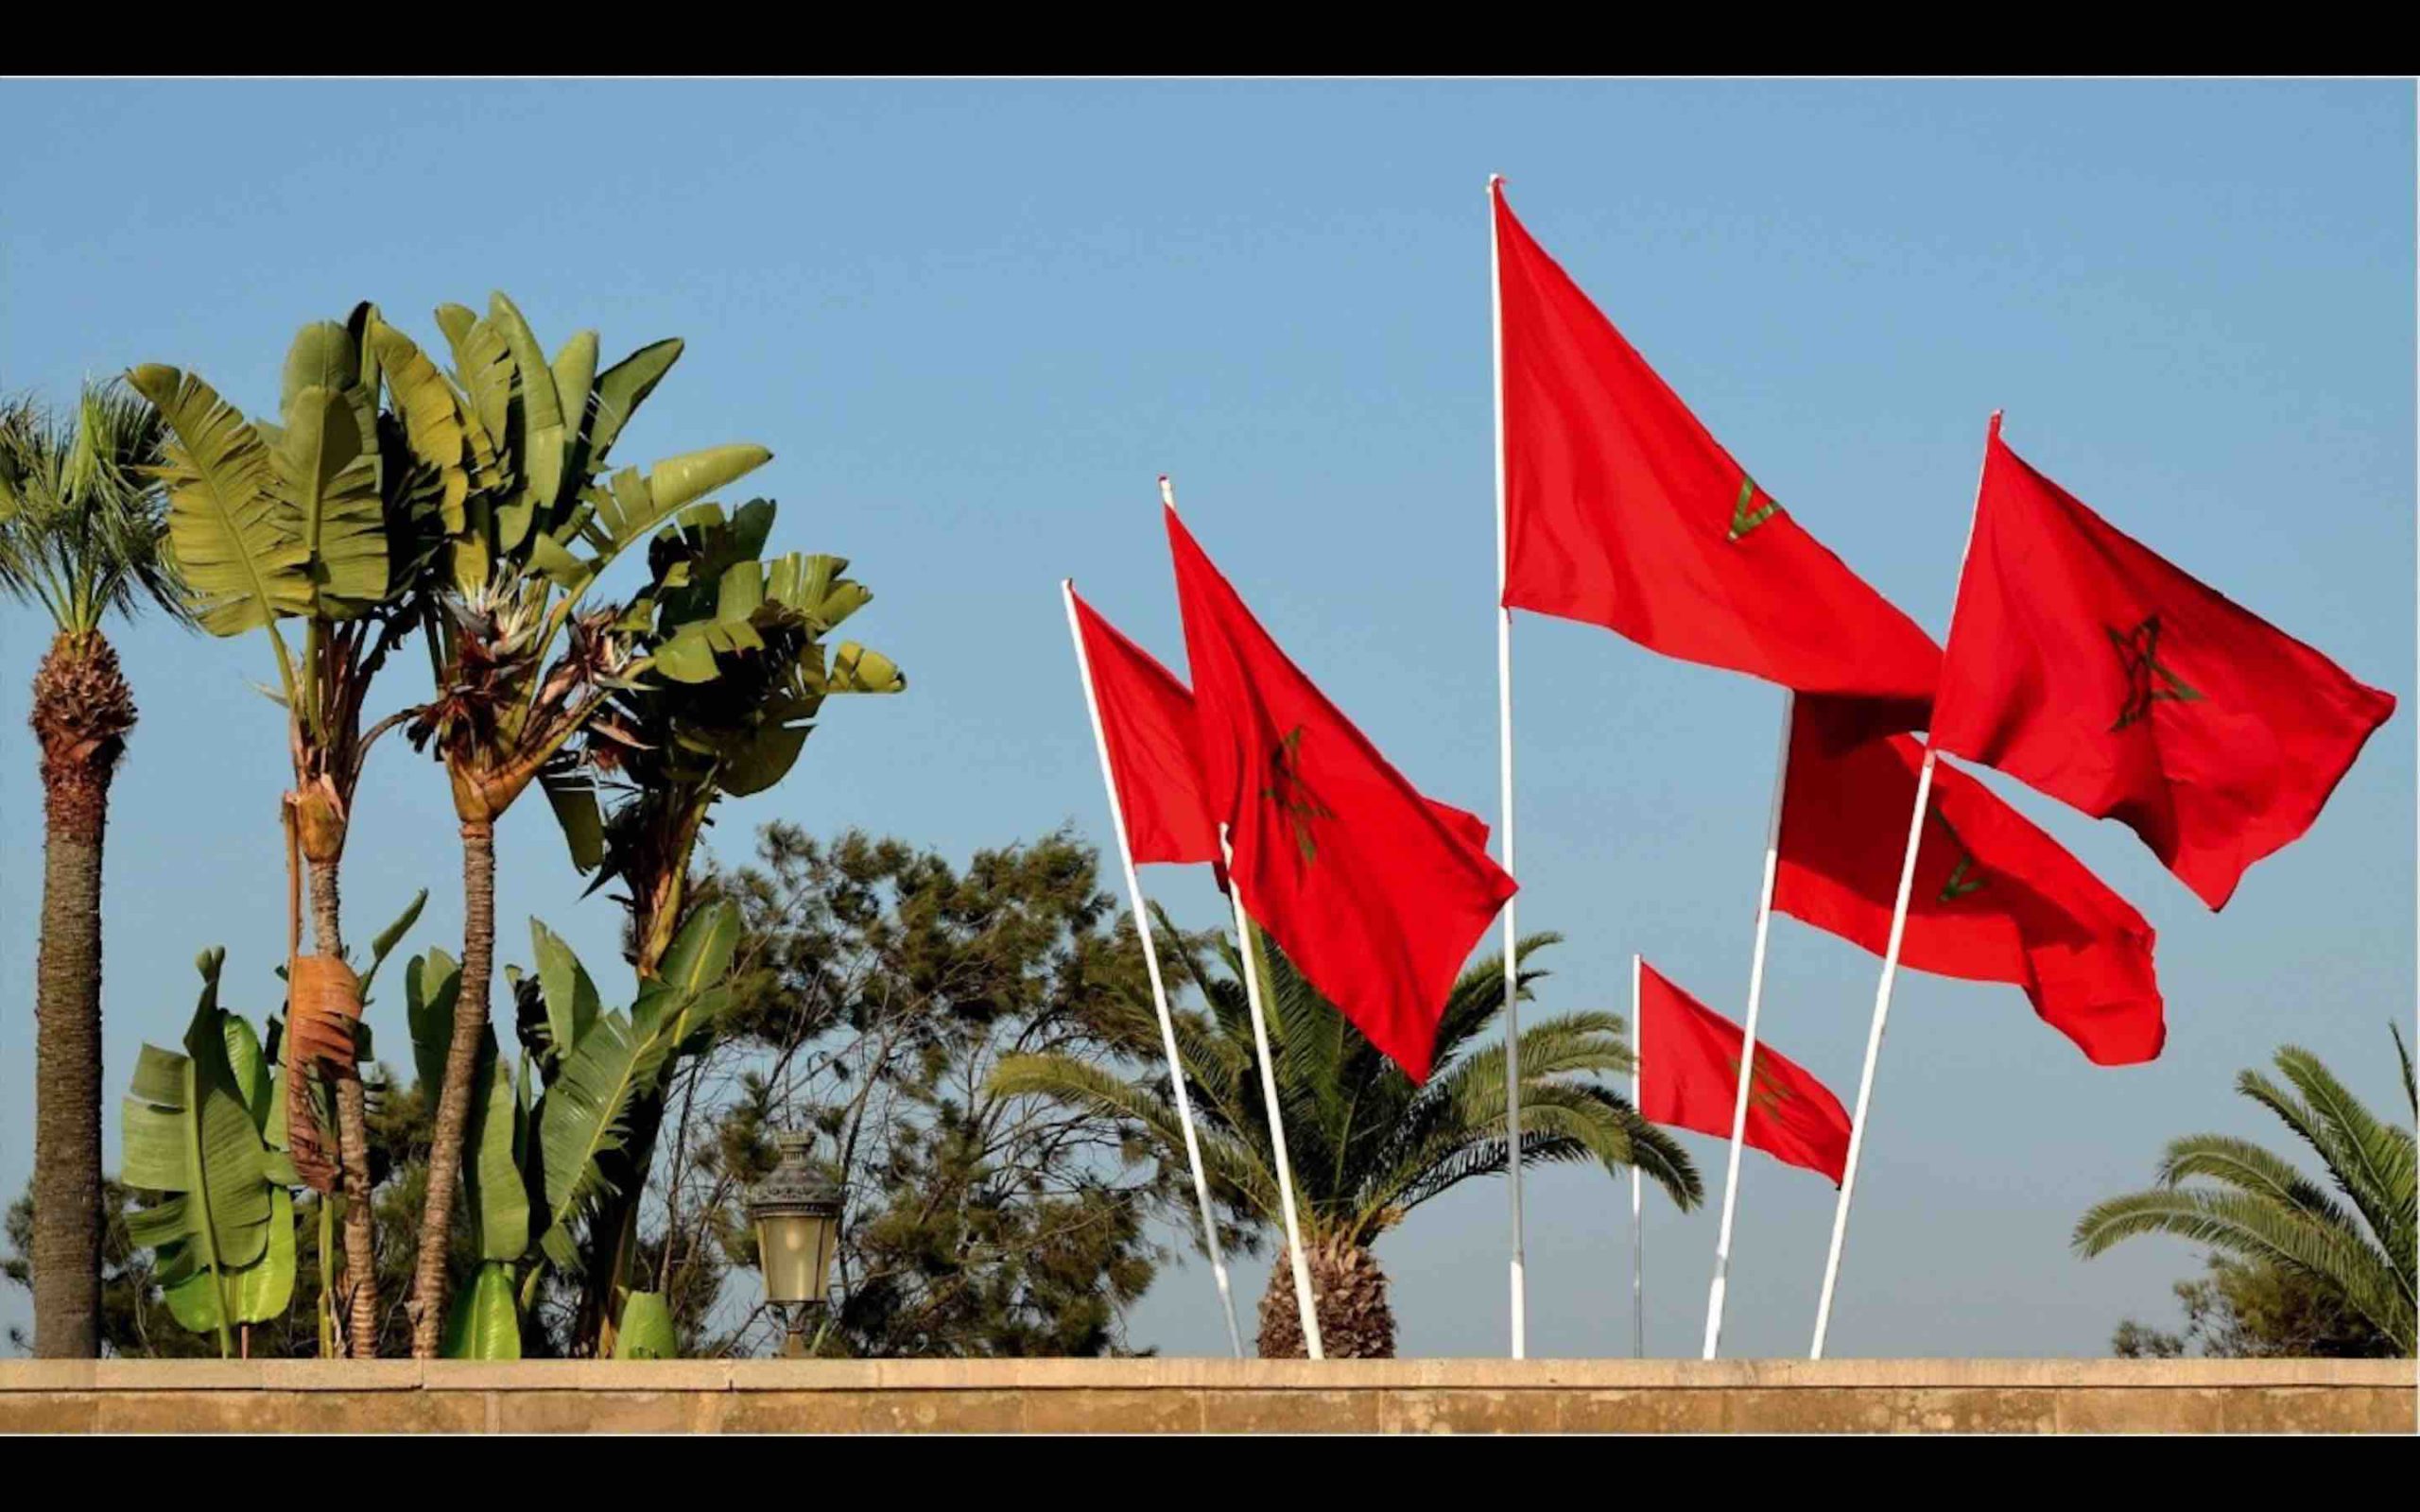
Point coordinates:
[[1234, 1169], [81, 511], [2247, 1167], [2369, 1164], [2248, 1225], [2266, 1209]]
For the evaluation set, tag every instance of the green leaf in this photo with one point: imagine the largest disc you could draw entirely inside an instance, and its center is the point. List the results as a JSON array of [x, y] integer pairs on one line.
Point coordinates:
[[324, 356], [248, 1068], [620, 390], [485, 1323], [571, 997], [483, 366], [492, 1179], [702, 953], [431, 983], [188, 1134], [329, 482], [435, 425], [645, 1330], [761, 761], [855, 669], [543, 443], [574, 375], [242, 563], [680, 480], [383, 944], [574, 800], [585, 1114], [261, 1291]]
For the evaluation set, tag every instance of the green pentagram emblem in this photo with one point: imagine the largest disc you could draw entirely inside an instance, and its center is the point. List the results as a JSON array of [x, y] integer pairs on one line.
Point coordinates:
[[1293, 796], [1744, 519], [2148, 679], [1764, 1092], [1965, 876]]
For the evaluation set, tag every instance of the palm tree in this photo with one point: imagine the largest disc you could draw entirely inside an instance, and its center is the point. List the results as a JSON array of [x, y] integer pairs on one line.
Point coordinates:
[[80, 535], [2259, 1208], [1368, 1146]]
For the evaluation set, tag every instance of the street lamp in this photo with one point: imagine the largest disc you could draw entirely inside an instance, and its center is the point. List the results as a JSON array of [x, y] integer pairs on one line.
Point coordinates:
[[796, 1210]]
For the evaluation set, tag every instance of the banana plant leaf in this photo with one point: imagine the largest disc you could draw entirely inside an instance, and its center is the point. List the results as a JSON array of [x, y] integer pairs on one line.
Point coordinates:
[[492, 1180], [383, 944], [189, 1135], [645, 1330], [242, 564], [570, 994], [615, 1063], [258, 1293], [431, 981], [855, 669], [572, 795], [585, 1114], [620, 390], [328, 485], [485, 1322], [324, 354], [683, 1004]]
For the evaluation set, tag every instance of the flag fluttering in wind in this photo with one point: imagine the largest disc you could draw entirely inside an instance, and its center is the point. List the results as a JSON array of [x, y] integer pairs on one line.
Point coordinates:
[[1994, 899], [1148, 724], [1688, 1071], [2082, 664], [1376, 895], [1622, 511]]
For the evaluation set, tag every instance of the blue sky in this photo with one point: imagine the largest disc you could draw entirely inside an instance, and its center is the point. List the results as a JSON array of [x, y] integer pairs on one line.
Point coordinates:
[[974, 320]]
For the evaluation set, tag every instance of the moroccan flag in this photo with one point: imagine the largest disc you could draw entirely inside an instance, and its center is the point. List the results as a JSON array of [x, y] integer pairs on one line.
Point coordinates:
[[2086, 666], [1146, 722], [1147, 717], [1994, 900], [1373, 893], [1688, 1077], [1623, 511]]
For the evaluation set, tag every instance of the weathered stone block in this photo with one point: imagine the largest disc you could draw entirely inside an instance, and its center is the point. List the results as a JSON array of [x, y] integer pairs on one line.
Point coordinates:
[[1290, 1412]]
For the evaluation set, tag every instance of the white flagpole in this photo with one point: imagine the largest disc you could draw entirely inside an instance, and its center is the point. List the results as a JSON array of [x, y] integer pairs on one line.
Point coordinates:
[[1637, 1189], [1890, 966], [1151, 968], [1504, 743], [1302, 1303], [1748, 1038], [1873, 1050]]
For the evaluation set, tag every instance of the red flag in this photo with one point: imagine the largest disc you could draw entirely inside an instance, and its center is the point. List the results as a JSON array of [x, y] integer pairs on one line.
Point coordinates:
[[2086, 666], [1623, 511], [1148, 722], [1375, 896], [1688, 1077], [1994, 899]]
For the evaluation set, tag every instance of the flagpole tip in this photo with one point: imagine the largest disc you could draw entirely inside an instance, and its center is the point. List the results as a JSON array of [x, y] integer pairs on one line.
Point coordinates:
[[1495, 181], [1167, 491]]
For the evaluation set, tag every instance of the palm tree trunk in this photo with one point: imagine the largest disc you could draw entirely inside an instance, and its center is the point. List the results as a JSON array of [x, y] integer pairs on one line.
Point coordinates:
[[82, 711], [1348, 1291], [454, 1103], [353, 1133]]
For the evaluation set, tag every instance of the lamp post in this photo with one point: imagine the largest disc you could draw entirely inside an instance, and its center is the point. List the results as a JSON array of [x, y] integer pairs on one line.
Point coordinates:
[[796, 1213]]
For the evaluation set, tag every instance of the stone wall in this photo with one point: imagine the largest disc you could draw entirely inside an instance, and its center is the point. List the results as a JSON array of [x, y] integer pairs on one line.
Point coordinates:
[[1218, 1396]]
